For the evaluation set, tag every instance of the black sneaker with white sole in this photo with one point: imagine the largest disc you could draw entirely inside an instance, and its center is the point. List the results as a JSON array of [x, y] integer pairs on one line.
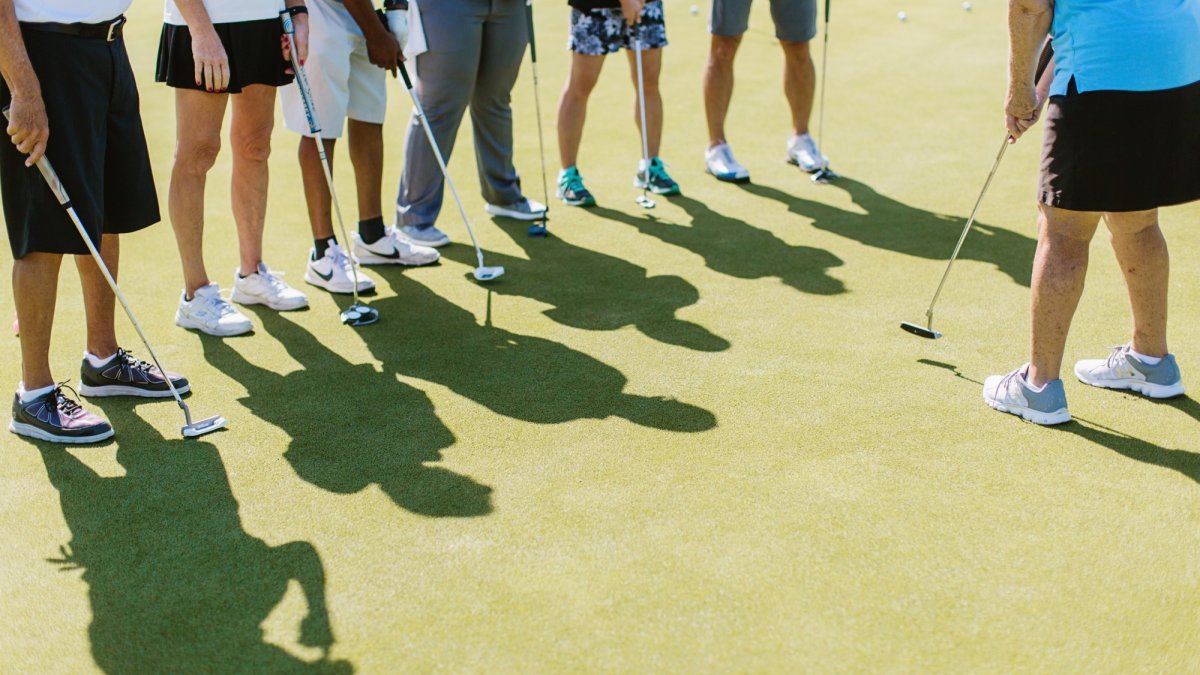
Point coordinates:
[[126, 375], [57, 418]]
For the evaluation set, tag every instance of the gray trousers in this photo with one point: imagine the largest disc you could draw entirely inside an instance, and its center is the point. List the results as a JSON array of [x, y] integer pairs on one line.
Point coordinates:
[[475, 53]]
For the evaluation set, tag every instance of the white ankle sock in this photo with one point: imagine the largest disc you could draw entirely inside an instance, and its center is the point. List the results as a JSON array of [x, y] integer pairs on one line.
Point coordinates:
[[27, 396], [1148, 360], [96, 361]]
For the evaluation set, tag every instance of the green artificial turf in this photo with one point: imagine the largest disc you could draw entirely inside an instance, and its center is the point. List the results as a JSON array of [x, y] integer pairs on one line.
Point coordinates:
[[687, 439]]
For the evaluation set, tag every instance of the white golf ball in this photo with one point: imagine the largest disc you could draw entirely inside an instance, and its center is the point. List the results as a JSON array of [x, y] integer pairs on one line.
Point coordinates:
[[967, 6], [903, 16], [695, 9]]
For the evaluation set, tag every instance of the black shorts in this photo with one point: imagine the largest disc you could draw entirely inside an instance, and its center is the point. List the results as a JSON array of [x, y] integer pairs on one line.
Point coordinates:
[[97, 147], [254, 50], [1117, 151]]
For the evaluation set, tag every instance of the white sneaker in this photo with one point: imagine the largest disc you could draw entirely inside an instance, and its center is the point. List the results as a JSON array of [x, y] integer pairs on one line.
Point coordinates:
[[393, 249], [209, 313], [334, 271], [524, 209], [1013, 394], [719, 161], [803, 152], [1123, 370], [264, 287]]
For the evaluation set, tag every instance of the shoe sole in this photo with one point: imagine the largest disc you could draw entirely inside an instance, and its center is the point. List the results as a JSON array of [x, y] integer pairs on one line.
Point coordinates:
[[125, 390], [658, 191], [515, 215], [438, 243], [1147, 389], [188, 325], [1029, 415], [727, 178], [245, 300], [793, 162], [366, 258], [30, 431], [319, 282]]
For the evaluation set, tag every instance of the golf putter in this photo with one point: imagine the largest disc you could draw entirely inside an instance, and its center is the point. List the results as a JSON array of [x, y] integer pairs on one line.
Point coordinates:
[[644, 199], [190, 429], [824, 175], [538, 229], [357, 314], [927, 330], [482, 272]]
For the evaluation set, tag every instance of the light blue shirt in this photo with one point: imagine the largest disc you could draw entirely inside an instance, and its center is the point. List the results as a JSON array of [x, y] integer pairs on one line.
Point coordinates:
[[1125, 45]]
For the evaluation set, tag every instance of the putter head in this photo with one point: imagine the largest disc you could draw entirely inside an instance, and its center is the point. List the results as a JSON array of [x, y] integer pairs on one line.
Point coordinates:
[[824, 176], [205, 426], [359, 315], [539, 230], [488, 273], [920, 331], [645, 202]]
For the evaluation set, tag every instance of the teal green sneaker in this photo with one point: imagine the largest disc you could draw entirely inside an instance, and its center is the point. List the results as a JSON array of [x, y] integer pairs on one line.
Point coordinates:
[[571, 189], [660, 183]]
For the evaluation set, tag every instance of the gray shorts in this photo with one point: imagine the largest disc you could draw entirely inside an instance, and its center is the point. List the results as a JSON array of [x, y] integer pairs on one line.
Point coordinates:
[[795, 20]]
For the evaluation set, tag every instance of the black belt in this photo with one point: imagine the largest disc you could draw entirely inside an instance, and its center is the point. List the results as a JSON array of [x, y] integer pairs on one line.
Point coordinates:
[[108, 31]]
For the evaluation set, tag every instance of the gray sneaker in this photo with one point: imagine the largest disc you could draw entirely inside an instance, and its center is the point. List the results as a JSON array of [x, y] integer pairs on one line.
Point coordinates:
[[57, 418], [126, 375], [1012, 394], [524, 209], [1123, 370], [425, 236]]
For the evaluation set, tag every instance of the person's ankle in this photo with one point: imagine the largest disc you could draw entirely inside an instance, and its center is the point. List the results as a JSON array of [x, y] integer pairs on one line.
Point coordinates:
[[1037, 379], [712, 144], [1153, 351]]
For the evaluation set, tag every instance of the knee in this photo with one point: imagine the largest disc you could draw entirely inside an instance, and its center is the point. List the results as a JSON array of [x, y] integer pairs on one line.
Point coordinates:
[[578, 90], [723, 50], [253, 146], [197, 156], [797, 53]]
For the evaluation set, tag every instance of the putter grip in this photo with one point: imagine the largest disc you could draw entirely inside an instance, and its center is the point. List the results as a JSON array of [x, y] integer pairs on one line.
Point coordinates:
[[827, 2], [1044, 60], [404, 76], [48, 173], [529, 29]]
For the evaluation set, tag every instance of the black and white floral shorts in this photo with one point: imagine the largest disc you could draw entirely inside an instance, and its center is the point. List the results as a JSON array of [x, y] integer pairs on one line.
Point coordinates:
[[603, 31]]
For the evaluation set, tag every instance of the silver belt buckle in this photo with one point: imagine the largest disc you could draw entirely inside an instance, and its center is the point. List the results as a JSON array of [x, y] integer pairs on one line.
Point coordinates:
[[112, 28]]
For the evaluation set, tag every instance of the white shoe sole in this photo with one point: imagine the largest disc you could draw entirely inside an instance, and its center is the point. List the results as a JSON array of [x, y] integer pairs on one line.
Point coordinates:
[[1142, 387], [515, 215], [123, 390], [434, 243], [184, 322], [30, 431], [1031, 415], [317, 280], [728, 177], [366, 257], [795, 162], [247, 299]]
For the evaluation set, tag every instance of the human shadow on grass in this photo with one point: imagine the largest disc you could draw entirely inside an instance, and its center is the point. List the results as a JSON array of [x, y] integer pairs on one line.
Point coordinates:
[[175, 582], [595, 291], [519, 376], [738, 249], [1184, 461], [352, 426], [895, 226]]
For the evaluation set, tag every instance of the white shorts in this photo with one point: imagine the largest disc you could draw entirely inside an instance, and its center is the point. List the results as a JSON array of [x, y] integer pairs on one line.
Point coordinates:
[[344, 83]]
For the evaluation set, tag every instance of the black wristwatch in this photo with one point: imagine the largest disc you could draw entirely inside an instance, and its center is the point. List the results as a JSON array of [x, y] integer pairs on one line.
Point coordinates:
[[298, 9]]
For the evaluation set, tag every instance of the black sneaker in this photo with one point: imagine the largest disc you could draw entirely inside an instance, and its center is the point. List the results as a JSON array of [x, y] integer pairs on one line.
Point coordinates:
[[124, 375], [57, 418]]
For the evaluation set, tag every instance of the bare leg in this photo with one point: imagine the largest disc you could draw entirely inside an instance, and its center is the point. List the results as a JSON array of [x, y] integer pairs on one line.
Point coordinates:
[[250, 136], [572, 105], [718, 85], [99, 302], [35, 289], [651, 68], [316, 190], [1142, 253], [799, 82], [366, 154], [1059, 269], [198, 119]]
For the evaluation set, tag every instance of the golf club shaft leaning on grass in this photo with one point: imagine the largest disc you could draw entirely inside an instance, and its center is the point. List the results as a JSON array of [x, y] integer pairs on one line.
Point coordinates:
[[537, 108], [314, 127], [190, 429], [824, 70], [644, 200]]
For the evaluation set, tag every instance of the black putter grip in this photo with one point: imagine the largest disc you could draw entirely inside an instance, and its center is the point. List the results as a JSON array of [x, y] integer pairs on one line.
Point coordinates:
[[404, 75], [1044, 59], [827, 2], [48, 173], [529, 29]]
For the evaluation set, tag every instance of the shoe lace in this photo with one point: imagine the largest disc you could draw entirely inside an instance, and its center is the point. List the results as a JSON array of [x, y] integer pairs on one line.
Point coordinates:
[[66, 405], [130, 360], [658, 171], [273, 279], [339, 258], [1117, 355], [221, 306], [573, 182]]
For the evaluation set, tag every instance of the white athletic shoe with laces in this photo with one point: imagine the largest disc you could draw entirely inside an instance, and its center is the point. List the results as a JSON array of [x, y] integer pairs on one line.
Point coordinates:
[[393, 249], [334, 272], [803, 152], [719, 161], [210, 313], [264, 287], [1123, 370]]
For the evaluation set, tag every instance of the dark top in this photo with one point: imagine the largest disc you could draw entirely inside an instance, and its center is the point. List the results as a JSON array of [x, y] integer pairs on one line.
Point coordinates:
[[589, 5]]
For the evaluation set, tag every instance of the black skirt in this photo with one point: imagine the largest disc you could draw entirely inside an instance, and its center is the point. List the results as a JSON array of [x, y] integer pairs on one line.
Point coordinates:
[[1117, 151], [254, 49]]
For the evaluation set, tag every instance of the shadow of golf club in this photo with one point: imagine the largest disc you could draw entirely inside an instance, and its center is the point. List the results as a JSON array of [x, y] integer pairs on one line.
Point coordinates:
[[175, 582], [352, 426], [894, 226], [735, 248], [519, 376], [1184, 461], [594, 291]]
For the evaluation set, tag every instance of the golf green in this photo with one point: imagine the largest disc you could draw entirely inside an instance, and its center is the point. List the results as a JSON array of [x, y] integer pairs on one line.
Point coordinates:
[[686, 439]]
